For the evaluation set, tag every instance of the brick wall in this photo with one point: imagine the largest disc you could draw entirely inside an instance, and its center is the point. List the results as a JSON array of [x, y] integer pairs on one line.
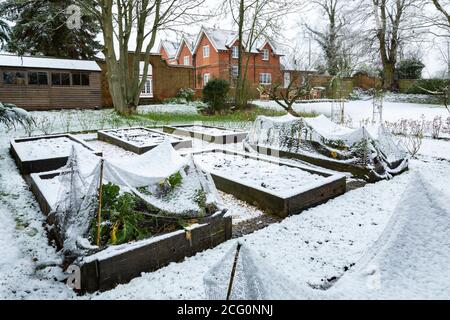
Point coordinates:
[[167, 80]]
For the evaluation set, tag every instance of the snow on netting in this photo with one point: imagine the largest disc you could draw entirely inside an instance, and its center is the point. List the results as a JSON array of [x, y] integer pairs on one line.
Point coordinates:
[[252, 279], [146, 176], [76, 202], [372, 147], [412, 254], [410, 259]]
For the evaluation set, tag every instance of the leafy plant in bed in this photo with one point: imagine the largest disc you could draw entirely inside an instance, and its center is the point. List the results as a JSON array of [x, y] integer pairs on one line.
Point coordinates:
[[133, 207], [126, 217]]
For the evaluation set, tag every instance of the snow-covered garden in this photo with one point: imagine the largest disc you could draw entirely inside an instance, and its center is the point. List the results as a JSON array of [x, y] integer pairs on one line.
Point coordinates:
[[360, 244]]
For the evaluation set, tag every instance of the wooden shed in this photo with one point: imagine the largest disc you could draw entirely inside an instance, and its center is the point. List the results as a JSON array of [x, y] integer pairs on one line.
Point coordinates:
[[41, 83]]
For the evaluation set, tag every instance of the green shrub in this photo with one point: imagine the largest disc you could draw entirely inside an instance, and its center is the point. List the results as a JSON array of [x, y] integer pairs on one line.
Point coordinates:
[[428, 84], [186, 93], [215, 94], [410, 69]]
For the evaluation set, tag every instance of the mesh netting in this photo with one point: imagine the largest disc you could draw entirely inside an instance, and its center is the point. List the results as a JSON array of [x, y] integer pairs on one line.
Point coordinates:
[[169, 184], [371, 147], [243, 275], [76, 202]]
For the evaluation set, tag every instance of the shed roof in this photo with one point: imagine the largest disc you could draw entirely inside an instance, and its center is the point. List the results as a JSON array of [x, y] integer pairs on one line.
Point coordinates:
[[10, 60]]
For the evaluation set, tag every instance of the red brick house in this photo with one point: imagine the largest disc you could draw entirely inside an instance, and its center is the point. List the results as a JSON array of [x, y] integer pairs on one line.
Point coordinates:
[[168, 50], [185, 52], [215, 55]]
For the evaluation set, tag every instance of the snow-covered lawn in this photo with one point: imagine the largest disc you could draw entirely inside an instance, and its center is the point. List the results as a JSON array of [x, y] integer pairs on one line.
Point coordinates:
[[361, 110], [312, 248]]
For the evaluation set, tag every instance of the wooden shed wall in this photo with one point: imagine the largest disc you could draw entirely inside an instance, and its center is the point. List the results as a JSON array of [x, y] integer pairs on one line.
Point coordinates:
[[44, 97]]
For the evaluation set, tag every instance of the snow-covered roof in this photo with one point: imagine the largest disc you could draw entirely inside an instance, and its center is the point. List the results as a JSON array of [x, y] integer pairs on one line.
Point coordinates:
[[219, 38], [189, 41], [223, 40], [171, 48], [9, 60]]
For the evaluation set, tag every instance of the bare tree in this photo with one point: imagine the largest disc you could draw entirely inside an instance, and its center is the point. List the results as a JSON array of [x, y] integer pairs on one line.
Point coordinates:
[[286, 96], [132, 25], [330, 39], [441, 7], [391, 27], [256, 20]]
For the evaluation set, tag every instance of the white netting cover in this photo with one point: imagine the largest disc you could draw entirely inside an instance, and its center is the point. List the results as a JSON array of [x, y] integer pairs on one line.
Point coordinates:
[[372, 147], [76, 202], [253, 279], [146, 176], [410, 259]]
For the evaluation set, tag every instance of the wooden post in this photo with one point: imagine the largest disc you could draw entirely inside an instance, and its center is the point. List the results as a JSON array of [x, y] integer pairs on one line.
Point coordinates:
[[99, 213], [233, 271]]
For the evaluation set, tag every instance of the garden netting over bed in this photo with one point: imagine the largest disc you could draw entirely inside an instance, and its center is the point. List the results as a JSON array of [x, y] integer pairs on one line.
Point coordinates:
[[243, 275], [171, 186], [410, 258], [318, 138]]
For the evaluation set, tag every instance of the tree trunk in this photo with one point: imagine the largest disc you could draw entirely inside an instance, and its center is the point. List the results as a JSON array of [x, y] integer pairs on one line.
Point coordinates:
[[388, 76], [239, 83]]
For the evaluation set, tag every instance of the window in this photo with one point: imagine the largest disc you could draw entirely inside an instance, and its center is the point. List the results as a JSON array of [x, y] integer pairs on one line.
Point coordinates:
[[60, 79], [147, 90], [287, 79], [205, 78], [38, 78], [80, 79], [234, 72], [206, 51], [14, 77], [265, 53], [186, 61], [235, 52], [265, 78]]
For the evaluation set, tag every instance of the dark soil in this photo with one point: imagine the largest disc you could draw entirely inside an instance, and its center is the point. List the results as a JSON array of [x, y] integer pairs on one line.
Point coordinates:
[[252, 225]]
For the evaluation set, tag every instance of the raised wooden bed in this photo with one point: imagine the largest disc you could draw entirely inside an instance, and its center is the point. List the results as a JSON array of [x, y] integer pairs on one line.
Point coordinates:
[[105, 270], [276, 203], [42, 194], [140, 148], [356, 170], [188, 130], [119, 264], [49, 161]]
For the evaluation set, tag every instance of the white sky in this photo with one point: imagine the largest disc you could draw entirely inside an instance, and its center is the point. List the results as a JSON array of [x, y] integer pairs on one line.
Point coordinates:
[[293, 33]]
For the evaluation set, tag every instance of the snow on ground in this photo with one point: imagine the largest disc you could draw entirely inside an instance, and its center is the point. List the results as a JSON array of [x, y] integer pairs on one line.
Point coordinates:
[[435, 148], [168, 108], [361, 110], [23, 241], [312, 248]]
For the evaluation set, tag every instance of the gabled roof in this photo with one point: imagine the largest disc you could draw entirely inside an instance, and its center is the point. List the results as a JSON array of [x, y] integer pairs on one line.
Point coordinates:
[[219, 38], [170, 47], [189, 42], [224, 39], [10, 60]]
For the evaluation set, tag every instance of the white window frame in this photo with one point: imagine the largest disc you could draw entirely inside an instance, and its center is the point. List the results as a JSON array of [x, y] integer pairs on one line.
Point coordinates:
[[205, 78], [206, 51], [147, 89], [186, 60], [287, 79], [235, 52], [234, 71], [265, 78], [265, 54]]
